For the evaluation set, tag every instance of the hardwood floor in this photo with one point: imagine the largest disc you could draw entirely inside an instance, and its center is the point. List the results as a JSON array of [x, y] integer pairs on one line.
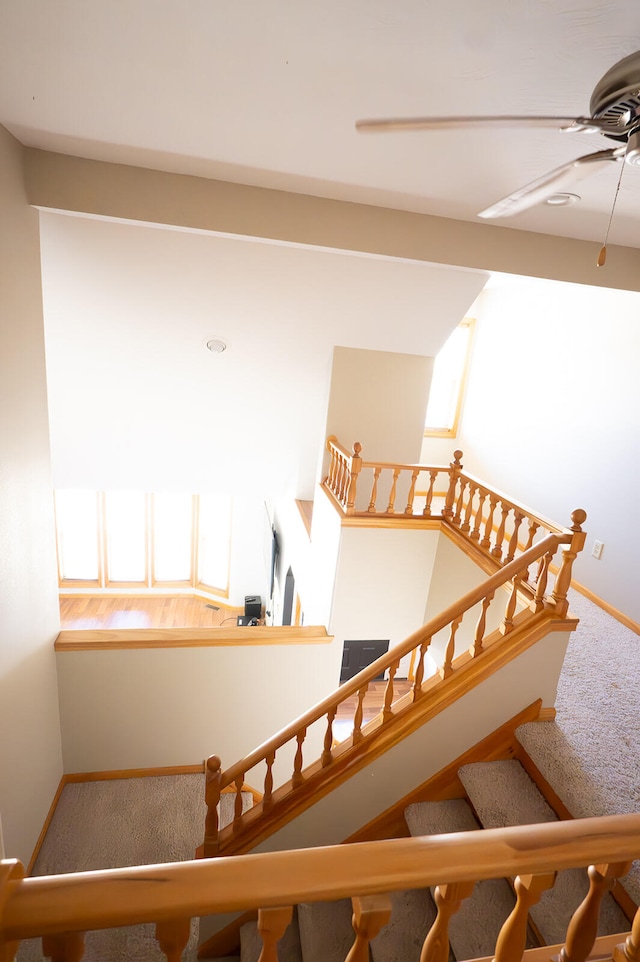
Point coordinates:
[[148, 611]]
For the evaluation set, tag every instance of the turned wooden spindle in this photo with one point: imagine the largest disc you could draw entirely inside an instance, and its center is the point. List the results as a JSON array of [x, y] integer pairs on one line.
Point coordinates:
[[412, 492], [370, 914], [468, 514], [455, 467], [272, 924], [387, 714], [237, 806], [213, 778], [433, 474], [507, 624], [417, 685], [629, 951], [172, 937], [357, 718], [63, 947], [541, 581], [583, 927], [267, 798], [482, 497], [513, 934], [488, 526], [448, 899], [533, 527], [457, 518], [478, 637], [518, 518], [374, 491], [392, 493], [496, 551], [296, 778], [447, 666], [356, 465], [328, 737], [563, 578]]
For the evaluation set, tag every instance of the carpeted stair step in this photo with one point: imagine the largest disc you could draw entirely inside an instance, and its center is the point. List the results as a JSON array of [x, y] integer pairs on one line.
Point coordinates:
[[502, 794], [413, 912], [326, 932], [289, 948], [474, 928]]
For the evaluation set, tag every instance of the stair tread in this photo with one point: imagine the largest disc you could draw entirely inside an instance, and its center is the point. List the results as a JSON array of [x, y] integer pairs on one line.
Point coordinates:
[[474, 928], [413, 912], [503, 794], [326, 932]]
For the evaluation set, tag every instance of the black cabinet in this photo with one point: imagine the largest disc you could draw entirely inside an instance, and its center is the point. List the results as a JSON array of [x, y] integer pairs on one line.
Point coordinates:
[[357, 655]]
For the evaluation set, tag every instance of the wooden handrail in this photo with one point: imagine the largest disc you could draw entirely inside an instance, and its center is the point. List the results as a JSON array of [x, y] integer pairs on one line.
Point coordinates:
[[157, 893], [354, 685]]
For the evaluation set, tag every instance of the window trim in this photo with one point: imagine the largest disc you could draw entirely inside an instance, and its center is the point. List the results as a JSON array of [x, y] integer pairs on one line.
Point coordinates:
[[433, 432]]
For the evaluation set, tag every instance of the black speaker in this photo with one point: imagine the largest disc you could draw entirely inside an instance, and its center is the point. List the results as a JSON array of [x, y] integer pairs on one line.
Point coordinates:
[[252, 606]]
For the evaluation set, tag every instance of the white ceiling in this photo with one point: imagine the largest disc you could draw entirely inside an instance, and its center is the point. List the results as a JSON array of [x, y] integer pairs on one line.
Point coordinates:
[[267, 94]]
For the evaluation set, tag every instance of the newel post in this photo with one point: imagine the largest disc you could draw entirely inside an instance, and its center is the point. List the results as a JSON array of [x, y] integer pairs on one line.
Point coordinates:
[[455, 467], [569, 554], [356, 465], [213, 779]]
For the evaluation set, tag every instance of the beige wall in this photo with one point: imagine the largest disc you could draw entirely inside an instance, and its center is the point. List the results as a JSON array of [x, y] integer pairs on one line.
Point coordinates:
[[30, 754]]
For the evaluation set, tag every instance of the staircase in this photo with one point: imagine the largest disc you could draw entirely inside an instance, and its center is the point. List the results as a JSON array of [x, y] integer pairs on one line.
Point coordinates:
[[499, 794]]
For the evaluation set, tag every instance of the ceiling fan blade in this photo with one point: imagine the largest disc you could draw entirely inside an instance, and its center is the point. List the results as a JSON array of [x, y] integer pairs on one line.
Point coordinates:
[[569, 124], [556, 180]]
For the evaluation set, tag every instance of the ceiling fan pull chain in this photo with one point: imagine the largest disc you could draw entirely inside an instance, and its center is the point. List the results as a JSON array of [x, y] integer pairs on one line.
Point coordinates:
[[602, 256]]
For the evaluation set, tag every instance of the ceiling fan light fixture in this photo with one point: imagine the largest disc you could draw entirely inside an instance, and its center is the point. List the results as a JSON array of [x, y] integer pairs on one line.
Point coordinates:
[[562, 199]]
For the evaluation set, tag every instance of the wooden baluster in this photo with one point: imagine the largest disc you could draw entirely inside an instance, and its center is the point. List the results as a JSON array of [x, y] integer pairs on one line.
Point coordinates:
[[237, 808], [213, 778], [533, 527], [267, 798], [63, 947], [448, 899], [512, 939], [497, 548], [387, 714], [417, 685], [370, 914], [11, 870], [272, 924], [342, 478], [392, 493], [457, 518], [296, 778], [478, 637], [328, 737], [488, 527], [357, 718], [475, 534], [518, 518], [541, 581], [374, 491], [583, 927], [507, 624], [172, 937], [630, 950], [356, 465], [563, 578], [426, 511], [466, 524], [455, 467], [412, 492], [447, 667]]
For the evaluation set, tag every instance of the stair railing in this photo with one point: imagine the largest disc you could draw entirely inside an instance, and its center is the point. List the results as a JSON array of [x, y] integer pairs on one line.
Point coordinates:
[[305, 783], [495, 524], [59, 909]]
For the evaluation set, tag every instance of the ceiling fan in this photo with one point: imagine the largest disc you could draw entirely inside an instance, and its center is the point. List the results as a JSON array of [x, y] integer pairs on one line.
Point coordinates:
[[615, 114]]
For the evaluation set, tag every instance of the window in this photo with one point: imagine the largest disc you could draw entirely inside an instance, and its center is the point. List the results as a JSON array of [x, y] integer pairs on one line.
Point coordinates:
[[130, 538], [448, 382]]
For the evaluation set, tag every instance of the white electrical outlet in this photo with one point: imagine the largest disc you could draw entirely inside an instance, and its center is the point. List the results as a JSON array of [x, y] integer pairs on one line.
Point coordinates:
[[597, 549]]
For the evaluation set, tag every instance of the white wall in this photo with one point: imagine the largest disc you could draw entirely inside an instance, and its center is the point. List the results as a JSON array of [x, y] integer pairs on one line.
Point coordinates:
[[552, 416], [170, 706], [382, 583], [30, 755]]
